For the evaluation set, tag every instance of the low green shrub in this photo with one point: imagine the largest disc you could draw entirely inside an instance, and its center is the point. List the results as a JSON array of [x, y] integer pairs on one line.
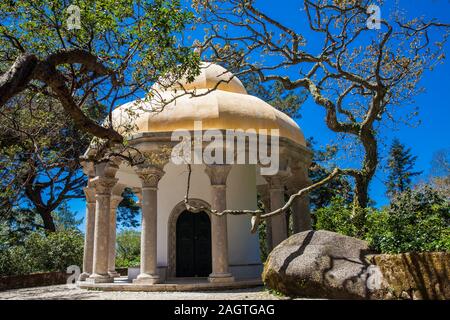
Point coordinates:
[[41, 253], [415, 221], [336, 217], [128, 249]]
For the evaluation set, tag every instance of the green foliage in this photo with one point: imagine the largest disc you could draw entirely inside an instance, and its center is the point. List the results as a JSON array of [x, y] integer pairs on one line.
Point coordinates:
[[110, 29], [40, 253], [320, 168], [39, 164], [15, 226], [263, 250], [128, 248], [417, 220], [400, 164], [65, 219], [140, 42], [128, 210], [337, 217]]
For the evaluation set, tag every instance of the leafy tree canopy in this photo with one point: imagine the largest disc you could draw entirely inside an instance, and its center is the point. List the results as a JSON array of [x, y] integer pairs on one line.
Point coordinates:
[[120, 50]]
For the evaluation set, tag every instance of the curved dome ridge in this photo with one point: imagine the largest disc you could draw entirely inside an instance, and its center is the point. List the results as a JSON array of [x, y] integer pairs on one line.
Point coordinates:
[[213, 76], [227, 107]]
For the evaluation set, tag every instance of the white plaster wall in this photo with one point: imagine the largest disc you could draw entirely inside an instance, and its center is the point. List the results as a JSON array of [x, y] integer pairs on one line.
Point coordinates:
[[243, 247], [171, 191], [241, 194]]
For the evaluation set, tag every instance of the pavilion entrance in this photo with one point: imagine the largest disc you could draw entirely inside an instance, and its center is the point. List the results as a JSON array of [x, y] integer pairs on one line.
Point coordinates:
[[193, 245]]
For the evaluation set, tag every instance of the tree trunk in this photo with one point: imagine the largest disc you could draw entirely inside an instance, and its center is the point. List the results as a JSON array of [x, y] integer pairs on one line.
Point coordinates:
[[49, 223], [17, 77], [361, 192], [370, 164]]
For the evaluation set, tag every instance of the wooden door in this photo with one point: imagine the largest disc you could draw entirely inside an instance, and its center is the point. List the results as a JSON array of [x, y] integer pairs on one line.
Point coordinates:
[[193, 245]]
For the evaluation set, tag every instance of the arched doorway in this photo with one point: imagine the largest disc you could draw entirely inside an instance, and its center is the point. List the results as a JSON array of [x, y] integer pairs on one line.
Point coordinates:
[[193, 245]]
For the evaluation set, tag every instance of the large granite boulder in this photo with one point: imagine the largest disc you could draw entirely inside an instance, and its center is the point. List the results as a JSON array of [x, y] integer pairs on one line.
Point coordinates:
[[325, 264], [321, 264]]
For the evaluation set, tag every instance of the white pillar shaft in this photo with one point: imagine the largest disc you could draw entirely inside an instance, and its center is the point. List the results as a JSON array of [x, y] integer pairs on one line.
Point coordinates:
[[301, 215], [149, 232], [88, 253], [150, 177], [278, 223], [102, 183], [112, 242], [115, 200], [219, 232], [101, 235]]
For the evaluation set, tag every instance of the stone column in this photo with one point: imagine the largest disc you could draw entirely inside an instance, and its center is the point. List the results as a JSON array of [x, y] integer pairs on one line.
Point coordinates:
[[301, 216], [103, 182], [276, 194], [219, 235], [263, 191], [88, 253], [150, 177], [116, 198]]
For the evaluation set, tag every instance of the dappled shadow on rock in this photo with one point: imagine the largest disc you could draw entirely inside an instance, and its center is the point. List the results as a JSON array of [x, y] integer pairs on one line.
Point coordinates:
[[323, 264], [320, 264]]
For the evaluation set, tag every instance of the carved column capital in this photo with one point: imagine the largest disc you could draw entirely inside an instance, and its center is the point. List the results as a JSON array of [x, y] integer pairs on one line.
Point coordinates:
[[218, 174], [149, 176], [103, 185], [278, 181]]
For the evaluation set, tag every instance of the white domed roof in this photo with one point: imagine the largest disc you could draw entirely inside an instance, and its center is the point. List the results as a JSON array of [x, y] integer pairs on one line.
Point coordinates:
[[213, 76], [227, 107]]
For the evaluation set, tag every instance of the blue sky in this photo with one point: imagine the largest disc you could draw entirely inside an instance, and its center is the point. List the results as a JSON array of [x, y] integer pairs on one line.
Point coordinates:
[[433, 132]]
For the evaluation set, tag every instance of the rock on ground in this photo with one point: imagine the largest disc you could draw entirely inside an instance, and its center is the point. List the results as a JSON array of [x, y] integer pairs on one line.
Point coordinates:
[[320, 264], [325, 264]]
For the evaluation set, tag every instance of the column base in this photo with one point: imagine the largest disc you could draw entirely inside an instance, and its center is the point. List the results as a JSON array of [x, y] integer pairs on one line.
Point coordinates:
[[114, 274], [220, 277], [100, 278], [145, 278], [84, 276]]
